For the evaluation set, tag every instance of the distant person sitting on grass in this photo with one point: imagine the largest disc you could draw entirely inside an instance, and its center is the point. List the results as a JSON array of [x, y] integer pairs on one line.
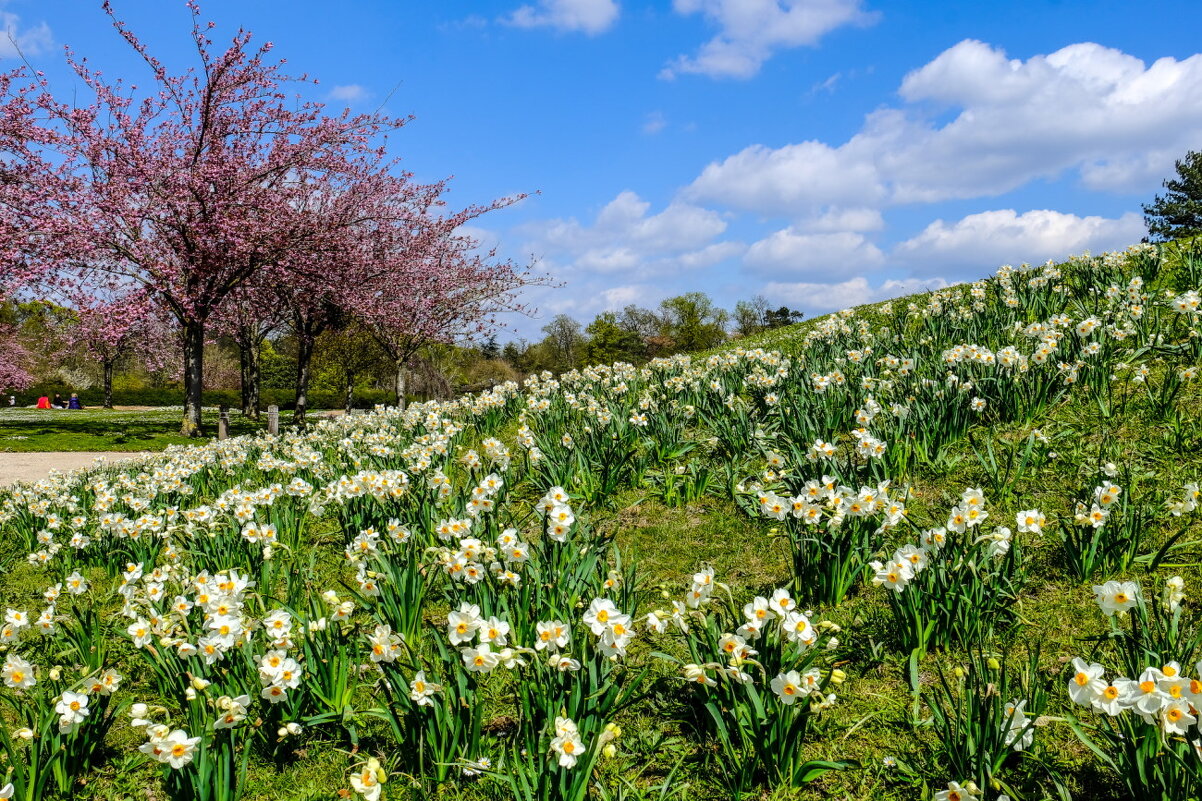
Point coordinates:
[[43, 402], [58, 402], [74, 402]]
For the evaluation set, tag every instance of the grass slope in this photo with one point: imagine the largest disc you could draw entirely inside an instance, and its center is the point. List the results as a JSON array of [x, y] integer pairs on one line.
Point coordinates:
[[1042, 454]]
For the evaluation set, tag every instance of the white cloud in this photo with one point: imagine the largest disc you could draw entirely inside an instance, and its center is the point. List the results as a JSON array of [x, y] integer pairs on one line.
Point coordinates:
[[15, 40], [984, 241], [349, 93], [792, 253], [654, 123], [709, 255], [854, 219], [583, 299], [1102, 113], [624, 237], [828, 85], [621, 296], [815, 298], [751, 30], [587, 16], [791, 179], [625, 255], [486, 239]]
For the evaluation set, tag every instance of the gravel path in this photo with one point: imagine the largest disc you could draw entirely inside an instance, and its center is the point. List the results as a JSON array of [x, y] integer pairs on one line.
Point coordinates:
[[34, 466]]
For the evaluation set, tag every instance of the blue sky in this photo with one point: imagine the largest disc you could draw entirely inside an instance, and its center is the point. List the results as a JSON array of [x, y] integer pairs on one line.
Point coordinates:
[[819, 152]]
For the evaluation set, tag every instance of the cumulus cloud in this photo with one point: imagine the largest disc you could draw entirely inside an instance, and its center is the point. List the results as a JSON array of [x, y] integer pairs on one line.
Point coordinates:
[[794, 253], [1114, 120], [625, 237], [836, 219], [622, 295], [791, 179], [586, 16], [751, 30], [16, 39], [583, 299], [819, 298], [486, 239], [984, 241], [626, 254]]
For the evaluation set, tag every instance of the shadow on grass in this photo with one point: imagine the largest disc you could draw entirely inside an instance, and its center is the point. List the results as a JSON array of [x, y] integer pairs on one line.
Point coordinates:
[[101, 430]]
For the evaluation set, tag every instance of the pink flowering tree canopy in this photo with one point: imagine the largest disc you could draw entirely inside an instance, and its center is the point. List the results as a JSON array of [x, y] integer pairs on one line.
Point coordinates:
[[191, 191], [454, 291], [216, 187], [13, 358], [31, 231], [128, 326]]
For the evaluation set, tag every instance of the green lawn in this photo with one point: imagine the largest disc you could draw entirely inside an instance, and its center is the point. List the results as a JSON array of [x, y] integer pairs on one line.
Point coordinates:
[[27, 430]]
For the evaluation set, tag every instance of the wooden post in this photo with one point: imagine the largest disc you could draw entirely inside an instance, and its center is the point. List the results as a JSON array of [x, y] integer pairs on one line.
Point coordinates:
[[223, 422], [273, 420]]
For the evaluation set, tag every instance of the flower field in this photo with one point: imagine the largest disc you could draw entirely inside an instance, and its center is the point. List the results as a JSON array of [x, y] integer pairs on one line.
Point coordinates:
[[945, 547]]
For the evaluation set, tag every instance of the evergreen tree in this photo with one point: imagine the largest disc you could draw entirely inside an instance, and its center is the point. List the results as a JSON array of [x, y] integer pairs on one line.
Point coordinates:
[[781, 317], [1178, 213]]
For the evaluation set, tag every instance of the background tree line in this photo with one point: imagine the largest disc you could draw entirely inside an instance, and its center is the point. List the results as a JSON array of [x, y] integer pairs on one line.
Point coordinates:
[[680, 324], [347, 366]]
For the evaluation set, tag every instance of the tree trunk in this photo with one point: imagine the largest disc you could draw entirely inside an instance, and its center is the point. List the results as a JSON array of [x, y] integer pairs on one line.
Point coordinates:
[[400, 385], [252, 373], [244, 377], [304, 355], [350, 392], [108, 384], [194, 354]]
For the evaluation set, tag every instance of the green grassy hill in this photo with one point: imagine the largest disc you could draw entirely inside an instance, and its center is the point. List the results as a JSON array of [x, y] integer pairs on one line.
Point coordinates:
[[1127, 414], [853, 558]]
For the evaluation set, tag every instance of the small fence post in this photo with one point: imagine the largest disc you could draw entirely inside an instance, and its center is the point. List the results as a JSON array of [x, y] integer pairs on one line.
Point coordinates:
[[273, 420], [223, 422]]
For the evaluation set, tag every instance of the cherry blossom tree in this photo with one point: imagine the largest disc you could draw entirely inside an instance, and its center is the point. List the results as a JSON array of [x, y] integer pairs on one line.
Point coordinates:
[[438, 286], [359, 223], [248, 317], [13, 358], [32, 235], [312, 310], [344, 354], [191, 191], [216, 182], [109, 331]]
